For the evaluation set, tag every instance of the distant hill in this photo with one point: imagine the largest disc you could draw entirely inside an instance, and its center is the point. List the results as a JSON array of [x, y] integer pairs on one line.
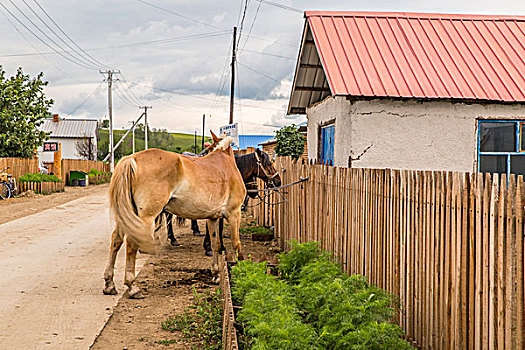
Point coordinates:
[[162, 139]]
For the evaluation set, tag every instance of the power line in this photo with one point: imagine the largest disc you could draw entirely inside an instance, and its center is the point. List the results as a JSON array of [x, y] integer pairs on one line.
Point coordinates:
[[242, 22], [158, 41], [87, 98], [251, 27], [258, 72], [123, 96], [67, 36], [284, 7], [34, 47], [179, 14], [129, 89], [40, 39], [86, 60]]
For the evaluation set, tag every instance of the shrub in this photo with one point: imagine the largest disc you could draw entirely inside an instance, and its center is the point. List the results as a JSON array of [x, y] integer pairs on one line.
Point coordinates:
[[38, 177]]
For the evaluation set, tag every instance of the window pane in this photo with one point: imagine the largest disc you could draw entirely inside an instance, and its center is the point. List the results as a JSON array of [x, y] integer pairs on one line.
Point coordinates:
[[517, 165], [497, 137], [522, 135], [492, 164]]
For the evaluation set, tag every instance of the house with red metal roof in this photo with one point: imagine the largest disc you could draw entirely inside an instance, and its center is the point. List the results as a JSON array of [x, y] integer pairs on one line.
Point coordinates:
[[413, 90]]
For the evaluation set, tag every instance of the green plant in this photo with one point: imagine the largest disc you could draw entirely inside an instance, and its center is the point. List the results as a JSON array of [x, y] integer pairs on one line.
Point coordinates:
[[38, 177], [314, 306], [201, 321], [248, 230], [290, 142]]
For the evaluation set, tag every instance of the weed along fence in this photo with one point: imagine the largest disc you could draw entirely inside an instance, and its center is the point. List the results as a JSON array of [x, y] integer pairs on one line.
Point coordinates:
[[449, 245]]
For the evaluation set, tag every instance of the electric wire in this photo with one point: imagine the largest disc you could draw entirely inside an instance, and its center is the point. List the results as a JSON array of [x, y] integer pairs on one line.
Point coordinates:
[[258, 72], [179, 15], [150, 42], [123, 97], [72, 58], [241, 26], [34, 47], [129, 89], [67, 36], [284, 7], [85, 60], [87, 98], [251, 27]]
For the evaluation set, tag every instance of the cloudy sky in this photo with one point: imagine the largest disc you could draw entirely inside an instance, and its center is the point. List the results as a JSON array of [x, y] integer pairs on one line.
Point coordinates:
[[174, 55]]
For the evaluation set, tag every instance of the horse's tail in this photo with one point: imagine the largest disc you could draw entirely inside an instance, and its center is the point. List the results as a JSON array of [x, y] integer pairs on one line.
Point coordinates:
[[124, 209]]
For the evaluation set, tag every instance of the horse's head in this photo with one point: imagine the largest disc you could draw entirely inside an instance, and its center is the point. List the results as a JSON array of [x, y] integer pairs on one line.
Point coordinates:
[[265, 169]]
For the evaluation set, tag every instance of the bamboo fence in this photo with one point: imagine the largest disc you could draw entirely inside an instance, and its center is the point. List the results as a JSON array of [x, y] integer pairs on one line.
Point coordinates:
[[81, 165], [449, 245], [229, 333]]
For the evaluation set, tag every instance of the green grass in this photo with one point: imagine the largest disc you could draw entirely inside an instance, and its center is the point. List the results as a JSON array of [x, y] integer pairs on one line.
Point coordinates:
[[249, 230]]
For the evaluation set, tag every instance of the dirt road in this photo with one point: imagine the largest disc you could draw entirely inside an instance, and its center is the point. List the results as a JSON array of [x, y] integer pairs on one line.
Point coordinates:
[[51, 266]]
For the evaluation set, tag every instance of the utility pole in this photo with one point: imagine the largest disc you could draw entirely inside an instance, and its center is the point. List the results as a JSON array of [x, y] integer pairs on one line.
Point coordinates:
[[146, 125], [203, 122], [110, 73], [232, 87], [195, 145], [133, 131]]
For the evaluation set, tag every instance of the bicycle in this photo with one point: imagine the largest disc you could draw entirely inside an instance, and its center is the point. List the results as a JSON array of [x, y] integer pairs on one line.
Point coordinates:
[[8, 186]]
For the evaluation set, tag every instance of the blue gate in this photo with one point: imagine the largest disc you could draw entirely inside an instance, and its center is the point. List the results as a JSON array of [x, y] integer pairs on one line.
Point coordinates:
[[327, 144]]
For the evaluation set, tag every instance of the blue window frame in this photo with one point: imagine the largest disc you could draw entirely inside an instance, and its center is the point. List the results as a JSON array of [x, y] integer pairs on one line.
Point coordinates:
[[327, 144], [500, 146]]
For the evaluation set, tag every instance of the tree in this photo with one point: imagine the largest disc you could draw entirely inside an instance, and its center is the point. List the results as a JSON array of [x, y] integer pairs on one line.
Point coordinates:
[[23, 108], [86, 148], [290, 142], [104, 124]]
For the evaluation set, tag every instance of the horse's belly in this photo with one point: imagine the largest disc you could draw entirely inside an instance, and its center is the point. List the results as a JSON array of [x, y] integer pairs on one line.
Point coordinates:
[[192, 210]]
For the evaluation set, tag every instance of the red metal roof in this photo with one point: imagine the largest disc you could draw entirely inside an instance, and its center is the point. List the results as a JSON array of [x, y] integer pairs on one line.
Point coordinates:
[[421, 55]]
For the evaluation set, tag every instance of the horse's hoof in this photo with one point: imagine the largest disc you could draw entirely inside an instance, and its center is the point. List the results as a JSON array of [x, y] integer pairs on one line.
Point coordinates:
[[136, 295], [208, 253], [110, 291], [240, 257], [198, 234], [175, 244]]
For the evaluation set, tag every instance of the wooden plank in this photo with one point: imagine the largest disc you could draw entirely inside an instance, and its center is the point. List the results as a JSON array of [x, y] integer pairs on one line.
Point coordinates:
[[477, 262], [500, 270], [510, 265], [487, 236], [465, 275], [520, 308], [493, 228], [447, 266]]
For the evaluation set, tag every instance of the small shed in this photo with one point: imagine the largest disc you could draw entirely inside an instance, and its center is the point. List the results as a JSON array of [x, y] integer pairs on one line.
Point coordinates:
[[413, 90]]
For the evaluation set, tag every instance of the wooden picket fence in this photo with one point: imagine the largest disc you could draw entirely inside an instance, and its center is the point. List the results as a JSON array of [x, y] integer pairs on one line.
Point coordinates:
[[19, 166], [449, 245], [41, 187], [229, 333]]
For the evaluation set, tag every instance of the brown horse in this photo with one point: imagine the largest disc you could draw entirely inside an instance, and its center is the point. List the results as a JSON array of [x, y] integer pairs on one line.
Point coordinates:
[[145, 183]]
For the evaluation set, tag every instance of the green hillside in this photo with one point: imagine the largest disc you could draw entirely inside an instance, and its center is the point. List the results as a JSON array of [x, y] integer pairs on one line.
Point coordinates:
[[162, 139]]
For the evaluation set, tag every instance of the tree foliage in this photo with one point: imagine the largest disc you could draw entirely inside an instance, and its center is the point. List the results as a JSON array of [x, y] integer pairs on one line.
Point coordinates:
[[290, 142], [23, 107]]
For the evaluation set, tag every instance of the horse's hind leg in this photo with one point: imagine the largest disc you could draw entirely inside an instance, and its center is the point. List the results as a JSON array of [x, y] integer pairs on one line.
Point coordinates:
[[116, 243], [171, 235], [216, 246], [234, 220], [131, 255]]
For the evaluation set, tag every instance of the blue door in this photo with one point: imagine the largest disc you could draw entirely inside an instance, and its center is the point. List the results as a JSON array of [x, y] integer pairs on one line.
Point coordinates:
[[327, 144]]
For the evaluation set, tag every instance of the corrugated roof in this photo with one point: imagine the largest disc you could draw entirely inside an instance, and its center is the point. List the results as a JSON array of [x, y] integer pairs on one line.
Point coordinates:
[[382, 54], [246, 141], [74, 128]]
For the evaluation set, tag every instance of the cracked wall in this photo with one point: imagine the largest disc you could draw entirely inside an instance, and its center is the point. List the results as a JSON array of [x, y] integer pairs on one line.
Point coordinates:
[[405, 134]]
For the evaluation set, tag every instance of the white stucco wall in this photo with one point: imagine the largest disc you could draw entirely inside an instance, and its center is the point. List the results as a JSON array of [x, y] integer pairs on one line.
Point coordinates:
[[405, 134], [69, 150]]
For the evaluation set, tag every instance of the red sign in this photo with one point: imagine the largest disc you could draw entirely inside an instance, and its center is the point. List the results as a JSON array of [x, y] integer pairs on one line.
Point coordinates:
[[50, 146]]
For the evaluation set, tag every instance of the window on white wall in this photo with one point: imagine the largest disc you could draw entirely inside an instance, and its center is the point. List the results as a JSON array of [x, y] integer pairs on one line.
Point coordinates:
[[501, 147]]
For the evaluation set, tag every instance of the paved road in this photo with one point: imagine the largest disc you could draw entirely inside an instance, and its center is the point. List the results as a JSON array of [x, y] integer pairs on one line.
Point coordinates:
[[51, 268]]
